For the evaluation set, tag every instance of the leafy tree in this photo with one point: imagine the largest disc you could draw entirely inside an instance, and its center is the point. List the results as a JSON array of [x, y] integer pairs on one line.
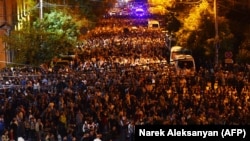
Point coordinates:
[[243, 55], [198, 33], [59, 23], [45, 38], [160, 6], [239, 24], [172, 23], [192, 21], [25, 44], [94, 9]]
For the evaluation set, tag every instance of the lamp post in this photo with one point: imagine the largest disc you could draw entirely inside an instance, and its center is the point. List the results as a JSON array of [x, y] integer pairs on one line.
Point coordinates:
[[41, 9], [216, 40]]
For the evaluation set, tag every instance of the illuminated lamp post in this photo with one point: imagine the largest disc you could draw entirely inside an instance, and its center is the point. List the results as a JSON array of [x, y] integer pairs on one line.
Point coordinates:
[[216, 40], [41, 9]]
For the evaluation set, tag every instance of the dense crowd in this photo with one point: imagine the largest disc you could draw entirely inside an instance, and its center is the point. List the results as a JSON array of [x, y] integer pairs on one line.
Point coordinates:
[[118, 80]]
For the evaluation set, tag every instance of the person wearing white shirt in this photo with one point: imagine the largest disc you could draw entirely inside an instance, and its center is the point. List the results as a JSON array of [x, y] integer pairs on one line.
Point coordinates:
[[98, 138]]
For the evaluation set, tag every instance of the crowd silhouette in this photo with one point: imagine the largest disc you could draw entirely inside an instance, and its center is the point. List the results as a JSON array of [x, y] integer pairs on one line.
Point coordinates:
[[118, 79]]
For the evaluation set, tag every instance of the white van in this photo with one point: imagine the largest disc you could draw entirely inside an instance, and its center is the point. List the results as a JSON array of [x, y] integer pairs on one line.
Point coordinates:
[[153, 24], [184, 65], [177, 50], [182, 60]]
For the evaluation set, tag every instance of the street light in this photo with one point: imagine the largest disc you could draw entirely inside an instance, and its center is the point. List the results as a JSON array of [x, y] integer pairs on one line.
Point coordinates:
[[41, 9], [216, 40]]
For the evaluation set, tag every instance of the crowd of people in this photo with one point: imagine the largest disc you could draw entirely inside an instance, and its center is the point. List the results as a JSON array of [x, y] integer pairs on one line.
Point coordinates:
[[119, 78]]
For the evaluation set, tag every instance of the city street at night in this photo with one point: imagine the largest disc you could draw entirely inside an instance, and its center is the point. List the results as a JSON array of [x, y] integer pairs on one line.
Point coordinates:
[[103, 67]]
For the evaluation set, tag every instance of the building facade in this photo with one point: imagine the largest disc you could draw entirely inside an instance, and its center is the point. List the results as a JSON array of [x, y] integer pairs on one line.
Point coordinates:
[[12, 13]]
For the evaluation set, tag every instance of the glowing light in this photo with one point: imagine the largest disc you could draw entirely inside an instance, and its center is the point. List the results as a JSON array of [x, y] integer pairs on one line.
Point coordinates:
[[139, 12]]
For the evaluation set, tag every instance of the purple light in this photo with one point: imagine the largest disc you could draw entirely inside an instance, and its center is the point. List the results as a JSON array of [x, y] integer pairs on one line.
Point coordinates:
[[139, 12]]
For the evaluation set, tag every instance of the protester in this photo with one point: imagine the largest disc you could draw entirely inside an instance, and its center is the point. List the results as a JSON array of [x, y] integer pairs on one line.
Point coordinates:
[[119, 80]]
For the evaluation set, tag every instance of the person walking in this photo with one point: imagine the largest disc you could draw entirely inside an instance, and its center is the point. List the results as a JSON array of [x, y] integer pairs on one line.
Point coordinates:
[[131, 131]]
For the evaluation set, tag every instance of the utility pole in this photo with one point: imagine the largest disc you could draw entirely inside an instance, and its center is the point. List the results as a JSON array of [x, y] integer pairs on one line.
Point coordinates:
[[216, 40], [41, 9]]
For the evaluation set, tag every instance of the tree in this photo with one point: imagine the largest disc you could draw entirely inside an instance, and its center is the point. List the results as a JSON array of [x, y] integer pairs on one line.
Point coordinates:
[[45, 38], [243, 55], [172, 23], [95, 9], [198, 33], [160, 6]]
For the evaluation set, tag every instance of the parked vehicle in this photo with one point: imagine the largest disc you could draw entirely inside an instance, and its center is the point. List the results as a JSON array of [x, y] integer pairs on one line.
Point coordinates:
[[177, 50], [153, 24], [182, 60]]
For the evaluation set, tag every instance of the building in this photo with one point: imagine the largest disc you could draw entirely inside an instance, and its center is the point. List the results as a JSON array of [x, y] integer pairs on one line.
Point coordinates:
[[12, 14], [5, 26]]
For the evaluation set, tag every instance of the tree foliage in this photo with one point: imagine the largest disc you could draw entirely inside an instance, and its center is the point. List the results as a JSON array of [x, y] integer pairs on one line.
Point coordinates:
[[172, 23], [57, 33], [160, 6], [192, 21], [59, 23], [198, 33], [244, 51], [94, 9], [45, 38]]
